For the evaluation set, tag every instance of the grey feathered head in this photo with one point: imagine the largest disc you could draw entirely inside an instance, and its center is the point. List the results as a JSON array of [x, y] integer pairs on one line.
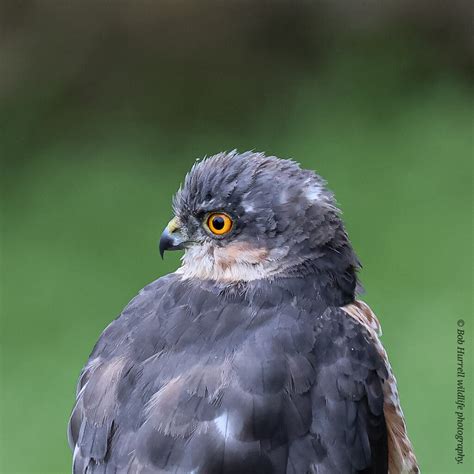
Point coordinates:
[[248, 216]]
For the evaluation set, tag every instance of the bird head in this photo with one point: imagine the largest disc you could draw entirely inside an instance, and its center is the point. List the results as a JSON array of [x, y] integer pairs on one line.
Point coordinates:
[[243, 217]]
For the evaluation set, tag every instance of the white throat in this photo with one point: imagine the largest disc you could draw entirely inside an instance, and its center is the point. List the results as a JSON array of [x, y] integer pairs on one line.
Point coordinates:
[[238, 262]]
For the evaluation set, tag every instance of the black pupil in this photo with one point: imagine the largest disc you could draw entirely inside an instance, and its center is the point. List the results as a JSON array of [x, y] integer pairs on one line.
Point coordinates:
[[218, 222]]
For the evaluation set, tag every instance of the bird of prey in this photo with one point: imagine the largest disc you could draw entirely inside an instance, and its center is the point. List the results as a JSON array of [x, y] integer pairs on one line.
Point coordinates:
[[255, 355]]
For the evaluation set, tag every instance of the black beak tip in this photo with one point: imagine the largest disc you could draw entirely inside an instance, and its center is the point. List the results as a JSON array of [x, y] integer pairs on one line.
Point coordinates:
[[164, 245]]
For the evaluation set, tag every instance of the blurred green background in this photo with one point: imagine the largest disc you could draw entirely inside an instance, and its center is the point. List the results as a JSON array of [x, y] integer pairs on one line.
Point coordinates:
[[103, 108]]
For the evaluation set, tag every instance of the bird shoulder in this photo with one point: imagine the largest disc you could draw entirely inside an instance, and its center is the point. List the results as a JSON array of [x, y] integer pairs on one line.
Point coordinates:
[[401, 456]]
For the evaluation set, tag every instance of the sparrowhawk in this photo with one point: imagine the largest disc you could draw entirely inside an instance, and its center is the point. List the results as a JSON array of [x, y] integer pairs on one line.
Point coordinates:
[[255, 355]]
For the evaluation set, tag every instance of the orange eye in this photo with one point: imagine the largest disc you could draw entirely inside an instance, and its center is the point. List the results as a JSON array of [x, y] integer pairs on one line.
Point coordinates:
[[219, 223]]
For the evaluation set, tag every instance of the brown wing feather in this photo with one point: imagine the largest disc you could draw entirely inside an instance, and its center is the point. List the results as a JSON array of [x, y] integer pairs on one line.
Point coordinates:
[[402, 459]]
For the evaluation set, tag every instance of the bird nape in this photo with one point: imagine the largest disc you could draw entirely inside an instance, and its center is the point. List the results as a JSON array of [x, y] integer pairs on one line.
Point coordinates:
[[254, 356]]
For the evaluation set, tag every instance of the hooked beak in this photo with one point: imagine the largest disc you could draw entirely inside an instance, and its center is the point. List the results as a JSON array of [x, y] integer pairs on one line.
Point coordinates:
[[171, 238]]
